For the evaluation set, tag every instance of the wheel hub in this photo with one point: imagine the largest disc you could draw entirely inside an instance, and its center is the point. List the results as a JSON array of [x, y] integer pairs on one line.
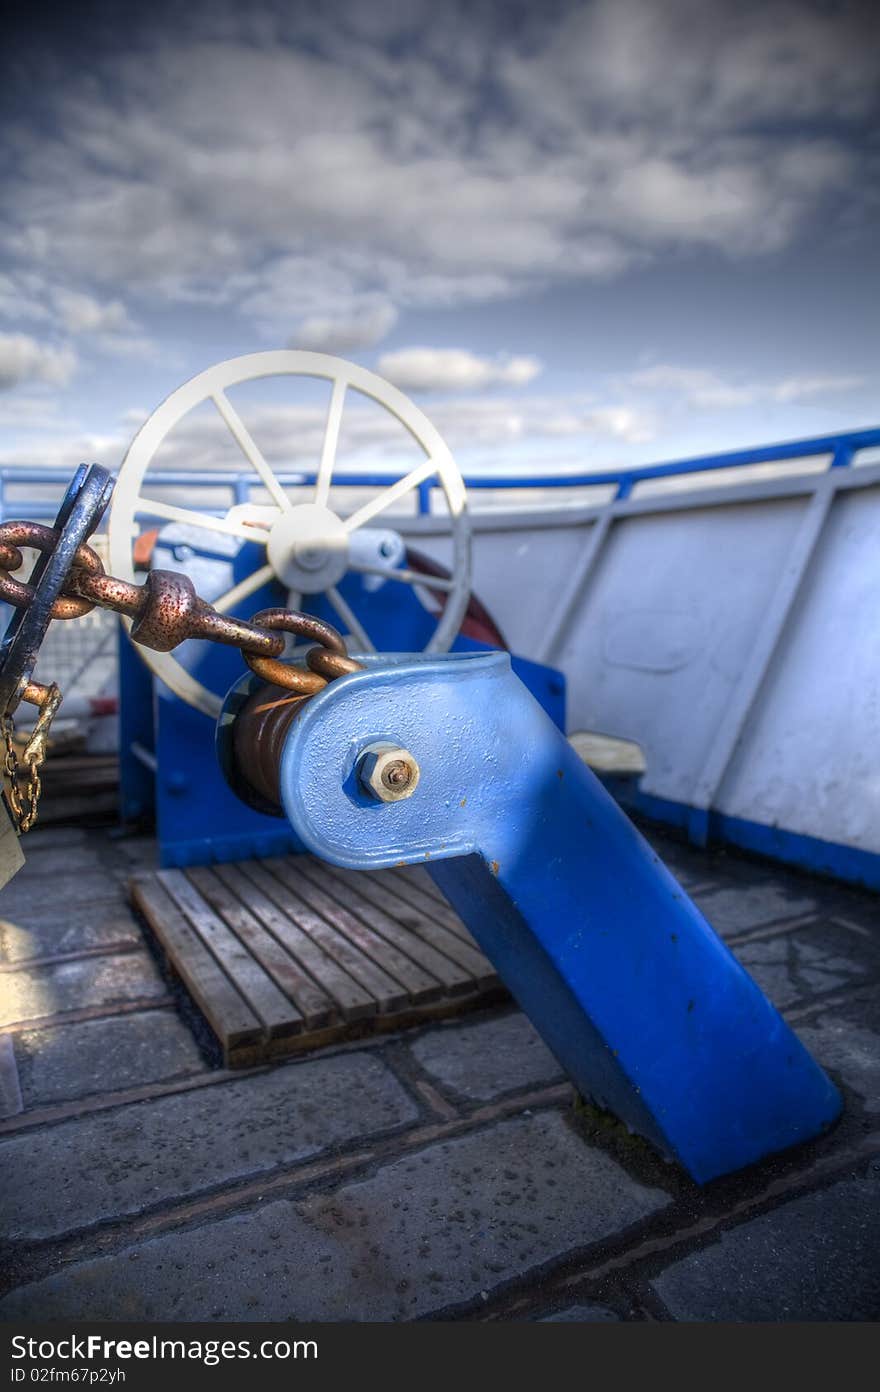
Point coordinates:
[[308, 548]]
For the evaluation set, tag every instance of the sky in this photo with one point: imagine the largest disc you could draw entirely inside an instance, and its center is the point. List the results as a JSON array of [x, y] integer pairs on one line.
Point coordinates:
[[580, 235]]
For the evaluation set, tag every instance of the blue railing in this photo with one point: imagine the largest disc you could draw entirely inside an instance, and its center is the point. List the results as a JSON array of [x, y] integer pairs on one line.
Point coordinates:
[[841, 448]]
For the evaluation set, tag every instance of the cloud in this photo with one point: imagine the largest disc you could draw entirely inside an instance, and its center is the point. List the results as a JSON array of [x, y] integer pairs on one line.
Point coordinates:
[[703, 389], [23, 359], [796, 388], [346, 334], [32, 413], [454, 369], [82, 313], [299, 168], [696, 386], [290, 435], [101, 326], [22, 297]]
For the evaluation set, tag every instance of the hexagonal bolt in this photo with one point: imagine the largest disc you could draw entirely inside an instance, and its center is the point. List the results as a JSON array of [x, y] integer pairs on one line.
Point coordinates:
[[388, 772]]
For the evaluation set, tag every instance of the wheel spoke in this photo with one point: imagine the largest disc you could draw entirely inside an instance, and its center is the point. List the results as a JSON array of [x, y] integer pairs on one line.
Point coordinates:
[[351, 621], [191, 518], [250, 450], [243, 589], [407, 577], [331, 441], [390, 495]]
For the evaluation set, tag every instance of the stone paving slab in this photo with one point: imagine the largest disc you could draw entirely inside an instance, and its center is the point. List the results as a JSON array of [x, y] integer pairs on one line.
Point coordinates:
[[68, 929], [97, 1056], [33, 992], [485, 1060], [428, 1230], [81, 1172], [379, 1247], [10, 1085], [582, 1314], [847, 1041], [134, 853], [808, 962], [815, 1258], [55, 838], [687, 863], [737, 909], [83, 857], [720, 867], [38, 892]]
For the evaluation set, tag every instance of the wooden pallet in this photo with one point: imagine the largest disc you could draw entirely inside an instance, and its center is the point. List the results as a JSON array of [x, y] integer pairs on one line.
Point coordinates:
[[286, 954]]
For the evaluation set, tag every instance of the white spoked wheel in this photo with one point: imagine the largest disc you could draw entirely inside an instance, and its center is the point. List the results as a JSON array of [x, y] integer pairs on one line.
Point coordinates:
[[309, 547]]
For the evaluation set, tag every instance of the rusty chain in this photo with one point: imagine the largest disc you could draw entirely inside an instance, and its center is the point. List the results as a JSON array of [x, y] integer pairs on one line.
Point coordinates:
[[24, 800], [164, 611]]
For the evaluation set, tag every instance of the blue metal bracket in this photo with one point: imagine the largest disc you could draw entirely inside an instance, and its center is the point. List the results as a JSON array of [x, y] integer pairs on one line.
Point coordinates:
[[644, 1006]]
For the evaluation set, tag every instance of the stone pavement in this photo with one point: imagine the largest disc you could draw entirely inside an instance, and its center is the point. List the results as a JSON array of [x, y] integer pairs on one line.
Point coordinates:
[[446, 1172]]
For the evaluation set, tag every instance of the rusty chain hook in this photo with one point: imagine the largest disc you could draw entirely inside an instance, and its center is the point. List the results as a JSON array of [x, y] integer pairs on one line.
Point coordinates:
[[166, 610]]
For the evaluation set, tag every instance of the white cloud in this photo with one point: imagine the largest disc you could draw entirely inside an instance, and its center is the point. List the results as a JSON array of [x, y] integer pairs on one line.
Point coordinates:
[[346, 333], [696, 386], [82, 313], [295, 167], [31, 413], [291, 436], [705, 390], [630, 423], [23, 359], [102, 326], [22, 298], [796, 388], [454, 369]]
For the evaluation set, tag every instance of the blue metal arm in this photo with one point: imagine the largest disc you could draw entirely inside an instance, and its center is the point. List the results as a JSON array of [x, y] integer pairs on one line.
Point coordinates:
[[644, 1006]]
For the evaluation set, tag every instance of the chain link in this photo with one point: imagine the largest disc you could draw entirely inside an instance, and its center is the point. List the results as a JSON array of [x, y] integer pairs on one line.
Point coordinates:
[[163, 612], [24, 809], [166, 610], [24, 804]]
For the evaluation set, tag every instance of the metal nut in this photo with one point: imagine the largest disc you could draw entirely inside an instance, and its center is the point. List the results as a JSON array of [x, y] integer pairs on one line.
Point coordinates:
[[388, 773]]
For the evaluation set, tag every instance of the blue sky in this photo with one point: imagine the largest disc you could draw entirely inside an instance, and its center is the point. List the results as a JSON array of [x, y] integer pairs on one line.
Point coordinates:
[[579, 234]]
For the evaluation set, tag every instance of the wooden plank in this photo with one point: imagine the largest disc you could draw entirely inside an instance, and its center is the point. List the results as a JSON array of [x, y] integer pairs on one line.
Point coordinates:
[[385, 990], [268, 1003], [454, 979], [303, 963], [314, 994], [272, 905], [230, 1017], [417, 897], [388, 953], [420, 877], [311, 1006], [466, 954]]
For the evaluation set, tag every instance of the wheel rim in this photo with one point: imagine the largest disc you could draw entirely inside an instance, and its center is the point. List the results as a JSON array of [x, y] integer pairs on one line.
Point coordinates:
[[294, 541]]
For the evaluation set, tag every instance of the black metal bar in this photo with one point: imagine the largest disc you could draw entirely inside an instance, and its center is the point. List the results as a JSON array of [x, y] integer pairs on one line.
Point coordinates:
[[81, 510]]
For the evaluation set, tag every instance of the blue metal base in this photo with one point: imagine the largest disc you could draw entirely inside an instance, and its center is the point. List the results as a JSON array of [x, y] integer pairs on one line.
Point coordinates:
[[137, 793], [645, 1007], [199, 819]]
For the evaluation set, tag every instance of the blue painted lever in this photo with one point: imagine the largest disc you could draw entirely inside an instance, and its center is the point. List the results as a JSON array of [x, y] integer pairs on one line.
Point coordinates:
[[644, 1006]]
